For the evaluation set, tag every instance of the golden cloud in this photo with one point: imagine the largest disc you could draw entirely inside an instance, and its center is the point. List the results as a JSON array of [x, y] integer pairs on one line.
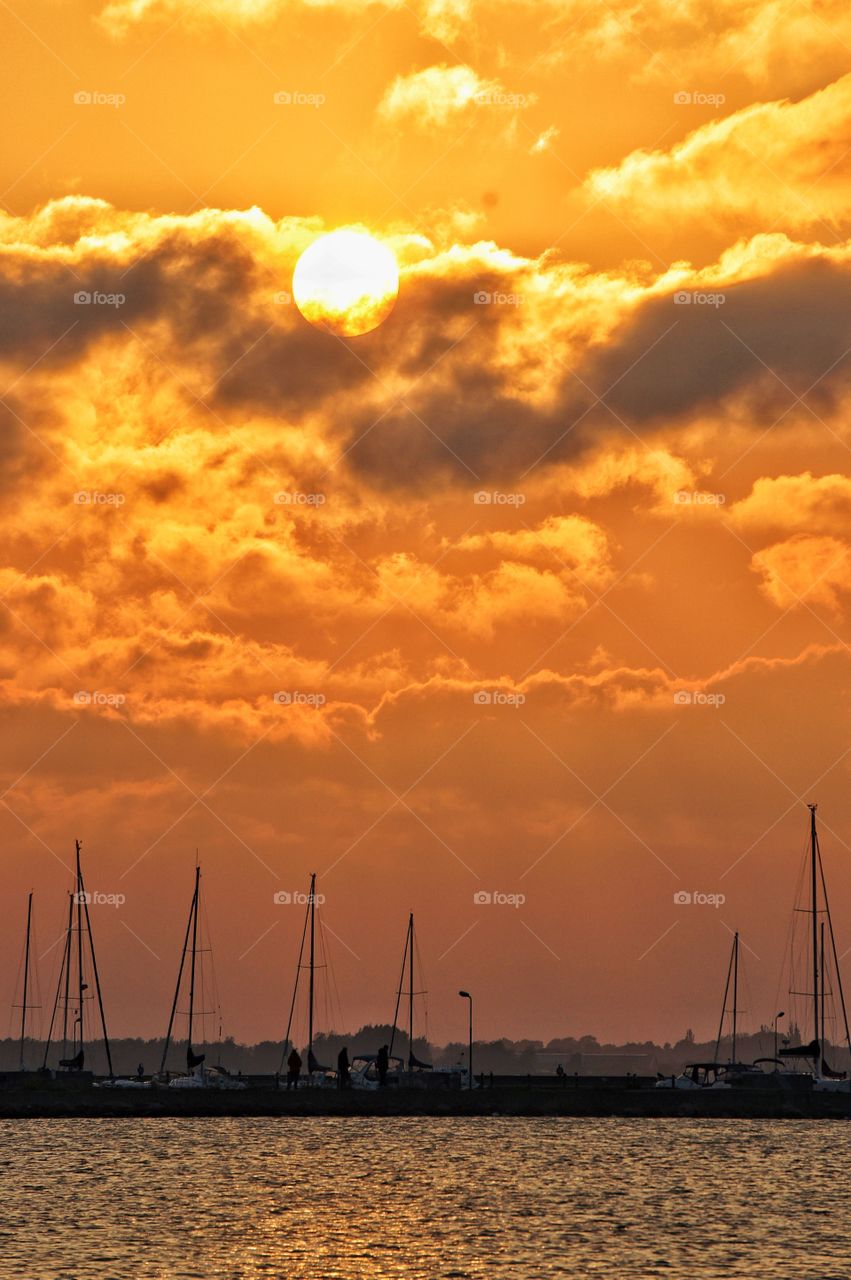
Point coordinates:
[[805, 570], [795, 149], [795, 504], [432, 97]]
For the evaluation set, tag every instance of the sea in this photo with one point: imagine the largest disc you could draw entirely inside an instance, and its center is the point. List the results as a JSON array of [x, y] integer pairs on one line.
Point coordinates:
[[306, 1198]]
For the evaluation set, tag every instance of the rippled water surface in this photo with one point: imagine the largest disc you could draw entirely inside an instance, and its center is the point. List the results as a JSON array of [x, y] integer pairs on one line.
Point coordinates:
[[421, 1199]]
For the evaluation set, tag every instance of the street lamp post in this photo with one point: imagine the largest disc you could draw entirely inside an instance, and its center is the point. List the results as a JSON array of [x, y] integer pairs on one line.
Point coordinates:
[[466, 995], [777, 1017]]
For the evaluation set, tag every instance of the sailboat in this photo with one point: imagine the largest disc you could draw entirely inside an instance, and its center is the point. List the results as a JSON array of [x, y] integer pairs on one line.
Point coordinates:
[[715, 1074], [317, 1073], [365, 1074], [820, 962], [73, 999], [408, 962], [197, 1075]]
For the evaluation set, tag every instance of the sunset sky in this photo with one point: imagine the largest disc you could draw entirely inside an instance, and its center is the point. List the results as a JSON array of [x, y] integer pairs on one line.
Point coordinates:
[[624, 321]]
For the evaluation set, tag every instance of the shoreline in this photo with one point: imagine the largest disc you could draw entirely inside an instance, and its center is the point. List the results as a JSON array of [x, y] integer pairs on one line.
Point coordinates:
[[628, 1103]]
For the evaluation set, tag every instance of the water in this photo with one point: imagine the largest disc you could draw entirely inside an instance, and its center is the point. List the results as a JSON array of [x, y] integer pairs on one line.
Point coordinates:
[[423, 1199]]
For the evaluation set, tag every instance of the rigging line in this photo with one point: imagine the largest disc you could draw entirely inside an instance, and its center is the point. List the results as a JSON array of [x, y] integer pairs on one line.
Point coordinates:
[[207, 936], [424, 989], [833, 946], [179, 979], [399, 990], [97, 980], [36, 977], [333, 994], [788, 972], [14, 1006], [59, 985], [724, 1005]]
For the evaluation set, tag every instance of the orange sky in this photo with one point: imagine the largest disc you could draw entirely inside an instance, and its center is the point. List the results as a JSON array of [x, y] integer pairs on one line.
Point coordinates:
[[652, 399]]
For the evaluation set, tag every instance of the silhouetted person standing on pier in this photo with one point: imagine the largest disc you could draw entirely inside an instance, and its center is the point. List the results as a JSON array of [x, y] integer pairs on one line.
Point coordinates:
[[343, 1080], [293, 1068], [382, 1062]]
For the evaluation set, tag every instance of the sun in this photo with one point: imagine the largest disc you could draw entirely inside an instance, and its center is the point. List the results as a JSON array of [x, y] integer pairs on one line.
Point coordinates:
[[346, 282]]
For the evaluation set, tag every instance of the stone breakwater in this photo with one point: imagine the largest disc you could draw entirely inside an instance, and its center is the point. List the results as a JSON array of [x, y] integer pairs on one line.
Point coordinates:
[[83, 1102]]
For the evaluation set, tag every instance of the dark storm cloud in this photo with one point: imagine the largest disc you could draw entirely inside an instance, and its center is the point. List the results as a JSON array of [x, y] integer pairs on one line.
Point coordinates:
[[466, 414], [791, 327], [25, 450], [205, 290], [765, 342]]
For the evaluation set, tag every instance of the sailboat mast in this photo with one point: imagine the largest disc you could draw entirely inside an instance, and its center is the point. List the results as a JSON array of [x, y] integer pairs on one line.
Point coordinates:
[[26, 978], [81, 986], [411, 991], [68, 936], [194, 950], [399, 989], [724, 1001], [312, 965], [814, 893], [62, 972], [823, 985], [84, 906], [735, 989], [179, 976], [298, 970]]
